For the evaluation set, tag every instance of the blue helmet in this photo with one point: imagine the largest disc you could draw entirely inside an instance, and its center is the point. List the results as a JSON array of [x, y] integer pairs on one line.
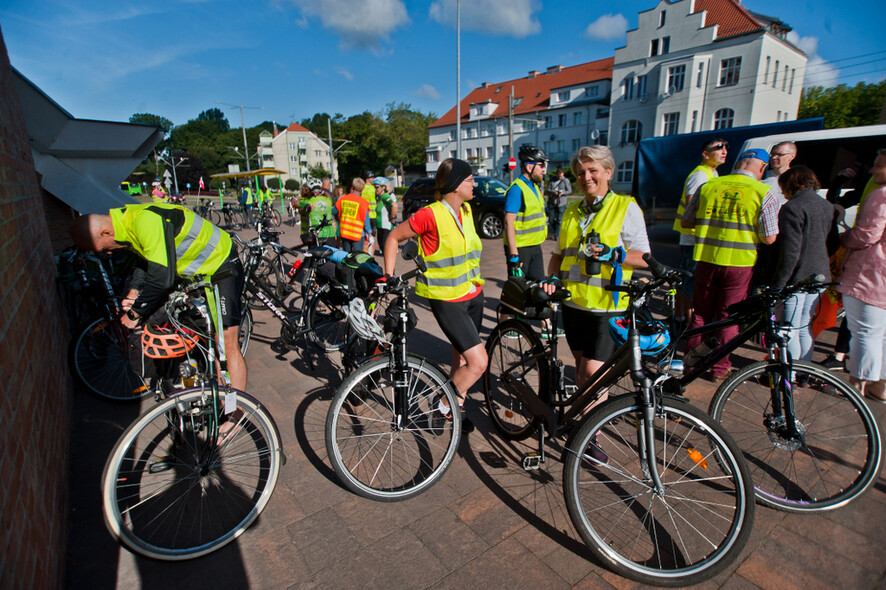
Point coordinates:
[[654, 335]]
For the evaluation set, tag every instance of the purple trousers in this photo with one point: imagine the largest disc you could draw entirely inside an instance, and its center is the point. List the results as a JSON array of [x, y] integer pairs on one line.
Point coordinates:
[[716, 288]]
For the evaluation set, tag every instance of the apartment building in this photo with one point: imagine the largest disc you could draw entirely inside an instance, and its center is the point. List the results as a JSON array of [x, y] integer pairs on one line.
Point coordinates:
[[294, 150]]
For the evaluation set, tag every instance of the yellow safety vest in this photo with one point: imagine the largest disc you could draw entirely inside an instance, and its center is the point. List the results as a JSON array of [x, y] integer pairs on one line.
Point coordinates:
[[711, 173], [531, 225], [726, 222], [587, 291], [454, 269], [200, 247], [369, 194]]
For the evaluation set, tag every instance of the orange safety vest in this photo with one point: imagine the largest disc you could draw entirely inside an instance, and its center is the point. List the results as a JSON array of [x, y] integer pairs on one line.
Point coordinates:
[[352, 209]]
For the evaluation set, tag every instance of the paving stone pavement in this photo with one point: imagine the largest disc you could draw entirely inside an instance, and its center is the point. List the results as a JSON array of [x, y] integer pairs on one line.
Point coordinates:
[[486, 524]]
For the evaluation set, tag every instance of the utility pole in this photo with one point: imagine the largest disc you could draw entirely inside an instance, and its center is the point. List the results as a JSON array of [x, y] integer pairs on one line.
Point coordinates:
[[458, 79], [511, 127], [242, 127]]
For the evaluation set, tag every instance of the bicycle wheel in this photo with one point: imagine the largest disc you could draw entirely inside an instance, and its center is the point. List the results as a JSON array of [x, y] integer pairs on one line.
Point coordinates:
[[686, 534], [106, 359], [171, 494], [274, 217], [835, 457], [266, 279], [516, 360], [371, 454], [327, 324], [245, 329], [213, 216]]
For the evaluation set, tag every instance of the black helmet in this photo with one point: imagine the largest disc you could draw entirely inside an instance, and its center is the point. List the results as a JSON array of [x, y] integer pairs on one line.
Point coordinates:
[[531, 153], [370, 174]]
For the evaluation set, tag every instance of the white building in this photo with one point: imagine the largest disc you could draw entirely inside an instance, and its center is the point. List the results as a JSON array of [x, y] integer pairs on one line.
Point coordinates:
[[559, 110], [294, 150], [699, 65]]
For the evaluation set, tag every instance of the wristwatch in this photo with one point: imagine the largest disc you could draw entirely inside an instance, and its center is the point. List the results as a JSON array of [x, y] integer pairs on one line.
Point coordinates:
[[132, 315]]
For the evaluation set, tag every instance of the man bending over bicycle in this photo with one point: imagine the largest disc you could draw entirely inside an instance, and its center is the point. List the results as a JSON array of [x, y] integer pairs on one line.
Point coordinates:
[[174, 243]]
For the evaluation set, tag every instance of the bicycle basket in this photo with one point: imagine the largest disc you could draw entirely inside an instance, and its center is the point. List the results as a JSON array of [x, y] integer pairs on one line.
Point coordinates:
[[515, 298], [161, 342], [654, 335]]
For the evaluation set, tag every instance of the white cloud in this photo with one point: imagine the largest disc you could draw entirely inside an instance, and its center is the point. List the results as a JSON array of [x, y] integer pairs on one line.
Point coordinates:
[[607, 27], [427, 91], [818, 72], [513, 18], [345, 73], [360, 24]]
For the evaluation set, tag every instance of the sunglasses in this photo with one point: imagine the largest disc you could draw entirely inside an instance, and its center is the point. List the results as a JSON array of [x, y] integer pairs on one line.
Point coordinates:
[[719, 146], [774, 155]]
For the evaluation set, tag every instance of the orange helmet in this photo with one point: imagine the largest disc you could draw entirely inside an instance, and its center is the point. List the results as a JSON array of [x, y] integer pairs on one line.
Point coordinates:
[[160, 342]]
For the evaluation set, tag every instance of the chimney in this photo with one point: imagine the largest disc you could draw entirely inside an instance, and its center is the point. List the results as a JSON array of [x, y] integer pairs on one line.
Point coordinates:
[[484, 85], [554, 69], [533, 74]]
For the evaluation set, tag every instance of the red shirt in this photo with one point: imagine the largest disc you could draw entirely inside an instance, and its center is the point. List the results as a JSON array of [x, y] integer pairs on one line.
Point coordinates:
[[424, 224]]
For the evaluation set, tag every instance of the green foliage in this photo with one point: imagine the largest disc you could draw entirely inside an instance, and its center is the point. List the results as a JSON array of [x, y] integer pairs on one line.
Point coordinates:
[[318, 172], [216, 118], [273, 183], [150, 119], [842, 106], [291, 185]]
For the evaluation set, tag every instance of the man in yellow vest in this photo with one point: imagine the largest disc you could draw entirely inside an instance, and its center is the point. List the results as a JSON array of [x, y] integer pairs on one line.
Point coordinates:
[[526, 225], [713, 154], [173, 242], [352, 211], [731, 214]]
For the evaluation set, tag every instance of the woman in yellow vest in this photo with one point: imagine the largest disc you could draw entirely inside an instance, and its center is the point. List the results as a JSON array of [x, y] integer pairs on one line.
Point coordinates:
[[451, 248], [619, 223]]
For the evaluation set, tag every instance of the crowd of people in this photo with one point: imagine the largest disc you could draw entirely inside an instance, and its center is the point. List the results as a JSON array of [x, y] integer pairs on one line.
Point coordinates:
[[762, 224]]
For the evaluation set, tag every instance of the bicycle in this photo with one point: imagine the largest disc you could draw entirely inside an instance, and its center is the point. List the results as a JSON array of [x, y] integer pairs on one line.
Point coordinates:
[[233, 215], [208, 211], [175, 487], [385, 438], [656, 489]]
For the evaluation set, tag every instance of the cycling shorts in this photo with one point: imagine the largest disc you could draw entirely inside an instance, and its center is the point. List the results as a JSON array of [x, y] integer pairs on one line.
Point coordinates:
[[588, 332], [460, 320], [229, 289]]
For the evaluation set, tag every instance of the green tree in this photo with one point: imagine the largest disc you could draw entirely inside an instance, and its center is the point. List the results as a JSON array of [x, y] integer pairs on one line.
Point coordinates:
[[842, 106], [151, 119], [291, 185], [405, 135], [216, 118], [318, 171]]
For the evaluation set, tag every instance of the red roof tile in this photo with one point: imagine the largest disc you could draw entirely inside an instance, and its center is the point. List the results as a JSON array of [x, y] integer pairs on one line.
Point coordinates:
[[297, 127], [535, 92], [732, 18]]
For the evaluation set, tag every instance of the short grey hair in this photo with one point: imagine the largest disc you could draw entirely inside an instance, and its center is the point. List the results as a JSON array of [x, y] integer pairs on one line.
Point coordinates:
[[594, 153]]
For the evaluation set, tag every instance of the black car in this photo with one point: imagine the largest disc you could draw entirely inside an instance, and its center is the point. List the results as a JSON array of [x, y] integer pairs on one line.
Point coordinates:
[[488, 203]]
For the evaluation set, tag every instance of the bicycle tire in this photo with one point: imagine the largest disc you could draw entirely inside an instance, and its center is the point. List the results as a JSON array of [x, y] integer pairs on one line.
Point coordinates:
[[326, 324], [836, 458], [245, 329], [169, 494], [514, 352], [264, 275], [274, 217], [687, 534], [370, 455], [106, 360]]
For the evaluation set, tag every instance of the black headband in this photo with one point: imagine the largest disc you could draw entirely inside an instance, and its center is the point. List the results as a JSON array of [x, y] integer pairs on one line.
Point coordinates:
[[460, 171]]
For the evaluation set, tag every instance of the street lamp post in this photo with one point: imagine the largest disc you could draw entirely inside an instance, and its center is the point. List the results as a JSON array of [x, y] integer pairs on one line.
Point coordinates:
[[458, 79]]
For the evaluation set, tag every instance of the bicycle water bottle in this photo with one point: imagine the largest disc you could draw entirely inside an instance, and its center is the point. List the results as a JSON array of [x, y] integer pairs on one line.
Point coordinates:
[[699, 352]]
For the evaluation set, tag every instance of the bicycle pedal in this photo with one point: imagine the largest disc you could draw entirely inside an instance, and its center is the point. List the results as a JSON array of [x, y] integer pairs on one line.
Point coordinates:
[[532, 461]]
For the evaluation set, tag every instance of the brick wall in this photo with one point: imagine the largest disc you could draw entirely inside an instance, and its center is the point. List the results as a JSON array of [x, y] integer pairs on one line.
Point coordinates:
[[35, 389]]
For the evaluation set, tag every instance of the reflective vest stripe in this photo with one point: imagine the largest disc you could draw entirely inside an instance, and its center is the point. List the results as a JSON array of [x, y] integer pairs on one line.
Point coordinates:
[[723, 224], [351, 217], [681, 207], [726, 222], [454, 269], [201, 253], [531, 225], [731, 244]]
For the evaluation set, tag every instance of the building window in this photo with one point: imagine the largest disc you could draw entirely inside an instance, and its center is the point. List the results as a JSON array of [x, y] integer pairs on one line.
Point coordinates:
[[561, 120], [653, 48], [625, 172], [699, 78], [671, 124], [549, 122], [724, 118], [778, 116], [561, 145], [791, 87], [641, 87], [563, 96], [676, 77], [546, 146], [489, 152], [469, 152], [665, 45], [628, 88], [694, 121], [576, 118], [506, 151], [452, 153], [631, 132], [775, 75], [591, 91], [766, 71], [603, 139], [452, 135], [432, 156], [662, 17], [576, 143], [730, 70], [784, 80]]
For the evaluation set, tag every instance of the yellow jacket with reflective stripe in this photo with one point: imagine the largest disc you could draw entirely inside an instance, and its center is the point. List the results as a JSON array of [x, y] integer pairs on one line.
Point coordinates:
[[531, 225], [726, 222], [200, 247], [369, 194], [587, 291], [711, 173], [454, 269]]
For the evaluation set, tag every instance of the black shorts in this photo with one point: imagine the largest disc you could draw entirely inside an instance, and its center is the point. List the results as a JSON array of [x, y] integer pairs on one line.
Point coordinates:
[[533, 261], [229, 289], [460, 320], [588, 332]]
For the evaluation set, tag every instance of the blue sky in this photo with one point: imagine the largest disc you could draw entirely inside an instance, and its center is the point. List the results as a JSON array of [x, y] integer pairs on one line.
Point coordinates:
[[108, 59]]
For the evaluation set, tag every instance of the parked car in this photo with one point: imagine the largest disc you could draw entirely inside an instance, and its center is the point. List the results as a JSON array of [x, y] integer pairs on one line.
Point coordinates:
[[488, 203]]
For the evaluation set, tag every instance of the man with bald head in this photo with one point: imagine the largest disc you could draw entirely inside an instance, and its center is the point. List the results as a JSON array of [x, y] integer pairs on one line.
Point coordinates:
[[173, 242]]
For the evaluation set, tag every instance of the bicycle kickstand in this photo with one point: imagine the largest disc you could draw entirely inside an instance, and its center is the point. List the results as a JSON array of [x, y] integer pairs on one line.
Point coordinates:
[[532, 460]]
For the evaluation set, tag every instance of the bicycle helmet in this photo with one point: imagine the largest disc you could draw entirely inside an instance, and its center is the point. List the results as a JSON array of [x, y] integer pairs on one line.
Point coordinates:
[[161, 342], [314, 183], [654, 335], [531, 153]]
